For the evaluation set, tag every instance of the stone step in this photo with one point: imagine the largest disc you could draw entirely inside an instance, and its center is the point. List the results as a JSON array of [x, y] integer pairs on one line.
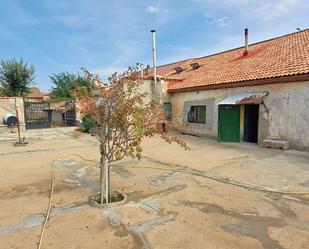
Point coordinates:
[[276, 144]]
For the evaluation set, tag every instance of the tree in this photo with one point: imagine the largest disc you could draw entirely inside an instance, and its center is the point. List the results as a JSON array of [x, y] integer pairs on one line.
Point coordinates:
[[64, 84], [16, 77], [122, 119]]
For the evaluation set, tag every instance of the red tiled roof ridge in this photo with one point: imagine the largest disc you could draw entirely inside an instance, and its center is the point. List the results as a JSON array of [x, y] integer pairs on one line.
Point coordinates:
[[277, 57], [250, 45], [232, 49], [172, 63]]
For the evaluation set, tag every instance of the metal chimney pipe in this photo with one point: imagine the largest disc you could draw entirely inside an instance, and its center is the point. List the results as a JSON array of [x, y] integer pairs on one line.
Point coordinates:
[[154, 59], [246, 41], [147, 69], [142, 70]]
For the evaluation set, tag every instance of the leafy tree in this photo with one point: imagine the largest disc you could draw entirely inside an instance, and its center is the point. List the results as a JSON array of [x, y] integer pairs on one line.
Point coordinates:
[[64, 84], [121, 120], [16, 77]]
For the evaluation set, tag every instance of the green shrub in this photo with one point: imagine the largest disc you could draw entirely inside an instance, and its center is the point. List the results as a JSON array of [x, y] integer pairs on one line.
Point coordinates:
[[87, 123]]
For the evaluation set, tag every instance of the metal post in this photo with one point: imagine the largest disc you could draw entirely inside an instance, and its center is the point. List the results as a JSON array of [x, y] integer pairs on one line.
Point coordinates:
[[154, 60], [18, 127]]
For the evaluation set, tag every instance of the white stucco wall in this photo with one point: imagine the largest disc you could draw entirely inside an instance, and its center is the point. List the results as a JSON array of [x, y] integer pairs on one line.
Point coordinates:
[[288, 116], [7, 104]]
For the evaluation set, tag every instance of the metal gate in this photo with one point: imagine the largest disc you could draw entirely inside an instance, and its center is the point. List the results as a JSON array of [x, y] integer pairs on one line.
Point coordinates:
[[35, 114]]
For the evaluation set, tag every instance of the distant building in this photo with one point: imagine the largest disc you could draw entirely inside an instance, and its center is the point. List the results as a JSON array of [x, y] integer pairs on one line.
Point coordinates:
[[62, 113], [257, 93], [35, 93]]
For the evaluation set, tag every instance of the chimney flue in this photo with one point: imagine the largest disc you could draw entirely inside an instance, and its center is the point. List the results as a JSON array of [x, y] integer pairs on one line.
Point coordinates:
[[142, 70], [154, 61], [246, 42], [147, 69]]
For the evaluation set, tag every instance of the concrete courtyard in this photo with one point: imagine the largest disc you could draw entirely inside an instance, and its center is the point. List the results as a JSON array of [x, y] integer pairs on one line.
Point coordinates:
[[231, 202]]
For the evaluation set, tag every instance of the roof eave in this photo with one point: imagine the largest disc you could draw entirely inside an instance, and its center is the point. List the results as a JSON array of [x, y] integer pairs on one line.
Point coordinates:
[[273, 80]]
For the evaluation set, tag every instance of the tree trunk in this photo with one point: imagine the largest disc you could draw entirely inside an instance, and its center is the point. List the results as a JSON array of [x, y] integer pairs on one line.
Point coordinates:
[[102, 166], [104, 170], [107, 183]]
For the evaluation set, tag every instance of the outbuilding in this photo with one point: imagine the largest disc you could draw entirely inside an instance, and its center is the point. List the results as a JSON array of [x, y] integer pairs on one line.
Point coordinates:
[[258, 93]]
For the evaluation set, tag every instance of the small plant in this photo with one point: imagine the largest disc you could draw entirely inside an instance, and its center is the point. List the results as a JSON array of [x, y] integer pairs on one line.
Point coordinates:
[[87, 123], [115, 197]]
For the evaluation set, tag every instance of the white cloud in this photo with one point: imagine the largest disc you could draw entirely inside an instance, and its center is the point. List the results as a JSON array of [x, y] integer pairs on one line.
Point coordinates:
[[258, 10], [221, 21], [269, 10], [72, 21], [152, 10]]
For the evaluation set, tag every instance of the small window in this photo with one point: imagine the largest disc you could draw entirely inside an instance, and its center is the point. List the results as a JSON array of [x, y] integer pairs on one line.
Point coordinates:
[[178, 69], [195, 65], [197, 114], [167, 107]]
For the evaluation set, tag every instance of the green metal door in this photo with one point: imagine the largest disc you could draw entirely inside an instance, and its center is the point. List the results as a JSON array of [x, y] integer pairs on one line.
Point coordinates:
[[229, 123]]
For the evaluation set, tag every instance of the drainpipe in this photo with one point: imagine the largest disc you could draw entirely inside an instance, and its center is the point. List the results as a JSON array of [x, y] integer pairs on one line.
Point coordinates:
[[246, 41], [154, 60]]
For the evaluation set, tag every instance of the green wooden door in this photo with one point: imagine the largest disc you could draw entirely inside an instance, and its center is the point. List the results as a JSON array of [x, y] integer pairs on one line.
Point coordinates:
[[229, 123]]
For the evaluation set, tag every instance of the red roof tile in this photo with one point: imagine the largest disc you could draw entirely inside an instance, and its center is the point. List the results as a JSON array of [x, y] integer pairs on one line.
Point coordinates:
[[283, 56]]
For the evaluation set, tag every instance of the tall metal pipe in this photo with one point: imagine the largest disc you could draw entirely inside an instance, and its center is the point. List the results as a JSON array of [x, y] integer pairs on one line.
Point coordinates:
[[154, 60], [246, 41], [142, 70]]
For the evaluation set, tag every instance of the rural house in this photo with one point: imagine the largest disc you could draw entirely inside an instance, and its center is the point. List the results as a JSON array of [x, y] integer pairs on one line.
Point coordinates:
[[257, 93]]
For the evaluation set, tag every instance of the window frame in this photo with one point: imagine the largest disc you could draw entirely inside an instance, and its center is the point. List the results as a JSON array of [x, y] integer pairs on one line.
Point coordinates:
[[196, 114], [168, 115]]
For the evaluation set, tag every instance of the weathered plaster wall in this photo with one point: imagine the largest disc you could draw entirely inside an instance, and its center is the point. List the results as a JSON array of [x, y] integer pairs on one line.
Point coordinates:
[[57, 117], [287, 119], [147, 87], [7, 104], [160, 90]]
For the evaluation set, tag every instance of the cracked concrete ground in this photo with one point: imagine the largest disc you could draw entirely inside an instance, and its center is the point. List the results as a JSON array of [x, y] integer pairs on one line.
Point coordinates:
[[165, 209]]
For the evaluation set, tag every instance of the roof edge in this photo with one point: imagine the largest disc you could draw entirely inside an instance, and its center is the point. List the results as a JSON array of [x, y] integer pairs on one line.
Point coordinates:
[[273, 80], [232, 49], [251, 44]]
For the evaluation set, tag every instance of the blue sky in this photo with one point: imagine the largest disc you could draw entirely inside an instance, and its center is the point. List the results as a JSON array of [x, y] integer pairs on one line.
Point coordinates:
[[107, 36]]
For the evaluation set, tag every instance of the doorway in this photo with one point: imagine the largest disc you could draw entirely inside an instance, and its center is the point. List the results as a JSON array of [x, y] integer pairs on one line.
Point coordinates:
[[251, 123], [229, 123]]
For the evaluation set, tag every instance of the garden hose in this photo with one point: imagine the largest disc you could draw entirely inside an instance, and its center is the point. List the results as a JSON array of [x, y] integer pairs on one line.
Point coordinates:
[[204, 174]]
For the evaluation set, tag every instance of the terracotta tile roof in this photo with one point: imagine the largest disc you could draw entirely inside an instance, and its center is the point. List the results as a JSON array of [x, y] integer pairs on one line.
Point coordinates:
[[283, 56], [36, 92], [61, 106]]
